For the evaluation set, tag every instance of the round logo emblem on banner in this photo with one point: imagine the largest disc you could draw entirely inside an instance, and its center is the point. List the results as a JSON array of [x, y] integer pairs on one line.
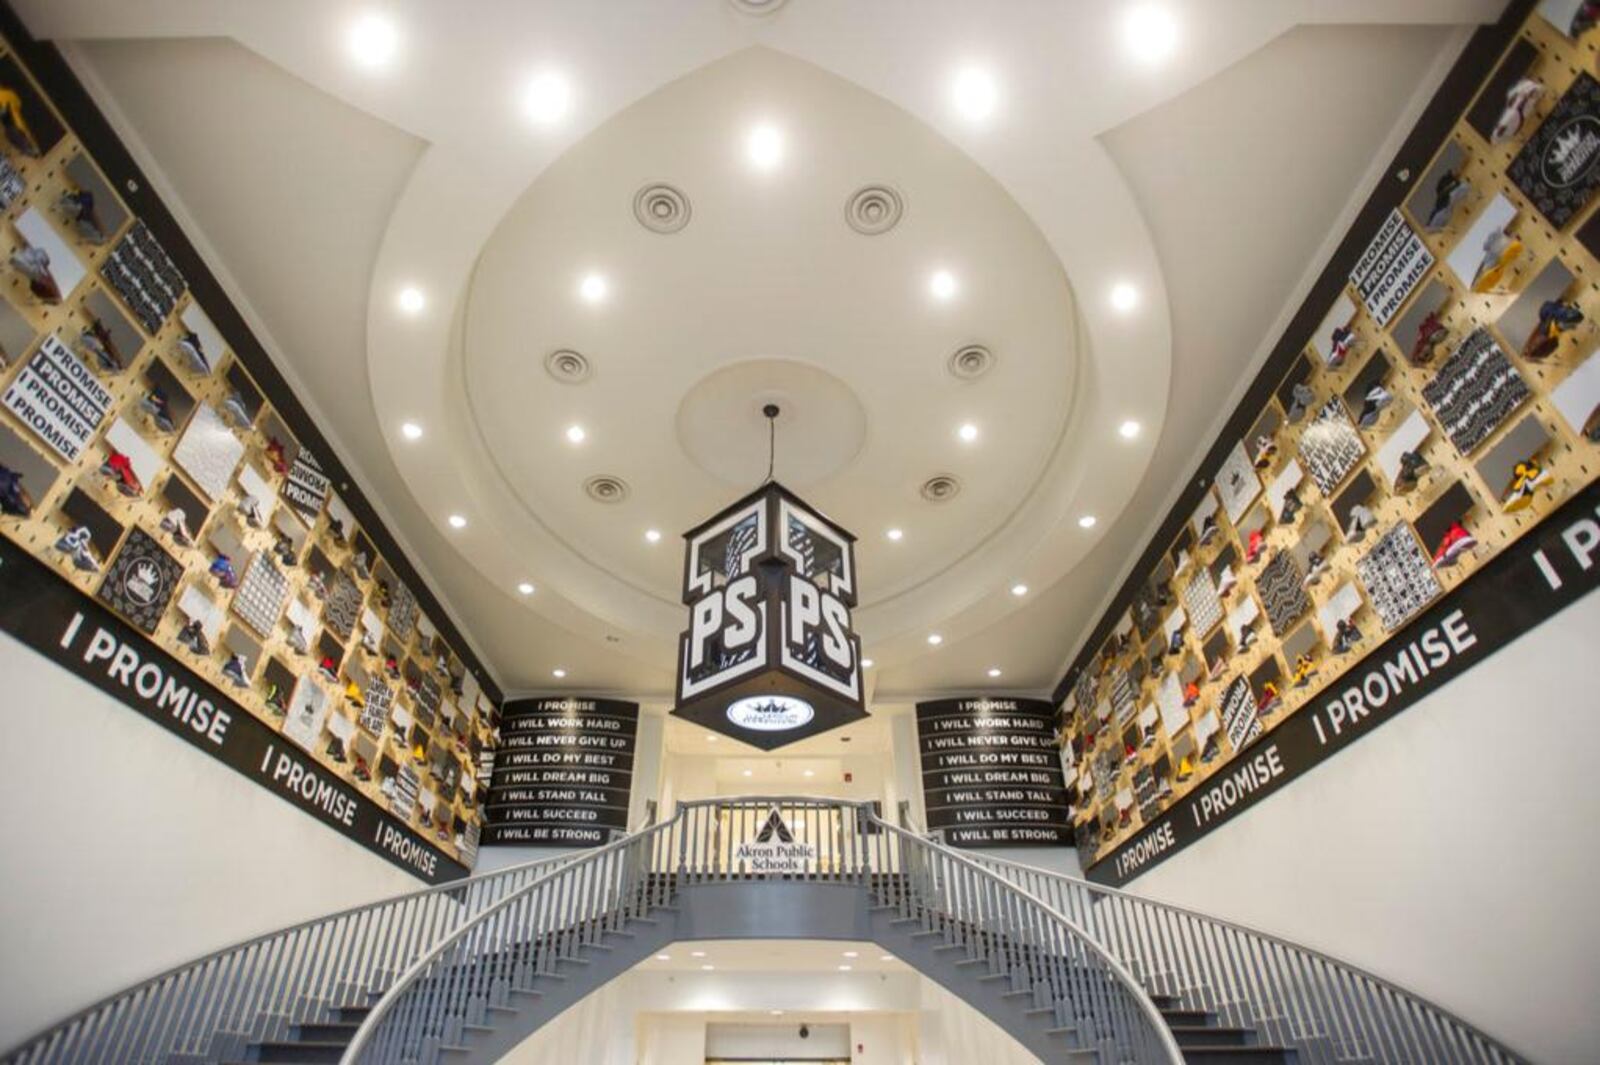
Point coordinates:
[[770, 713]]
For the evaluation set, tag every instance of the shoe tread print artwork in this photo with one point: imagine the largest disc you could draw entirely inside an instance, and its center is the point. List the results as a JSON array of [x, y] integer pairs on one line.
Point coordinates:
[[1398, 577], [1330, 447], [1201, 601], [1282, 590], [261, 595], [1475, 391], [343, 606]]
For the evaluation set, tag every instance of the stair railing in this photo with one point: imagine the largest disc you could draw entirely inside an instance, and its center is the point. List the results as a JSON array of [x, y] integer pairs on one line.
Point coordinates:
[[1019, 934], [524, 935], [1327, 1009], [283, 976]]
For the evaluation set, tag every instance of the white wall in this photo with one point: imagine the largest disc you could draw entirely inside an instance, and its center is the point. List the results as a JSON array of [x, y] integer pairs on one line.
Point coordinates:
[[127, 852], [596, 1030], [1454, 850]]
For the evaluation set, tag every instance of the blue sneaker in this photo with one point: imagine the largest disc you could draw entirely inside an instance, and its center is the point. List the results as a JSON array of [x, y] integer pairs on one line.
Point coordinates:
[[222, 570], [233, 669], [76, 545]]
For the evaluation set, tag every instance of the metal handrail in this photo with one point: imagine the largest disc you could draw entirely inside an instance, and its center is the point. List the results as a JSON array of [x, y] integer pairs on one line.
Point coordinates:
[[283, 972], [480, 965], [1325, 1007]]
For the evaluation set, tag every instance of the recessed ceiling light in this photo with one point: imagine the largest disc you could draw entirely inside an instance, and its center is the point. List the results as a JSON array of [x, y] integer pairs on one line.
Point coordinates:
[[697, 954], [373, 40], [525, 588], [764, 146], [886, 957], [663, 957], [410, 299], [1087, 521], [707, 968], [844, 968], [1124, 297], [457, 521], [942, 284], [576, 434], [866, 663], [994, 671], [546, 97], [749, 772], [1128, 429], [558, 673], [935, 639], [710, 738], [968, 432], [653, 535], [974, 93], [775, 1013], [593, 288], [1150, 32], [811, 772], [852, 954], [411, 430], [895, 534], [1019, 590]]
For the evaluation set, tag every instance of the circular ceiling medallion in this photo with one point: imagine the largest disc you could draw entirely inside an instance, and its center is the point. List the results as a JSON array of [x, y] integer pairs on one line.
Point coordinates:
[[971, 362], [756, 7], [606, 489], [661, 208], [567, 366], [873, 209], [941, 487]]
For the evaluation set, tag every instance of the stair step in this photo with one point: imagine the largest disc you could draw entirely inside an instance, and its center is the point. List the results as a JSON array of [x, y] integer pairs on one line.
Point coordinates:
[[351, 1013], [324, 1031], [1189, 1035], [947, 946], [1038, 1011], [297, 1052], [962, 963], [492, 1008], [1191, 1018], [529, 991], [986, 977], [1016, 994], [1240, 1055], [925, 933]]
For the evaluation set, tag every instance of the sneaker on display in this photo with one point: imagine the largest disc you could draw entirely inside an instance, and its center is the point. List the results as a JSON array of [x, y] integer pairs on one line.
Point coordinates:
[[193, 636], [118, 468], [1316, 566], [1526, 477], [328, 669], [1130, 754], [1147, 737], [193, 351], [1456, 542], [249, 508], [1185, 769], [1291, 507], [1448, 192], [1255, 545], [299, 639], [1346, 637], [274, 700], [1208, 529], [1556, 317], [156, 404], [1266, 451], [33, 263], [176, 524], [1412, 467], [1500, 250], [1269, 698], [319, 588], [91, 345], [1340, 345], [1301, 399], [391, 666], [1430, 334], [369, 641], [236, 411], [15, 499], [1305, 669], [275, 455], [1212, 749], [359, 769], [336, 749], [1226, 583], [1521, 99], [1175, 641], [1191, 695], [1373, 404], [77, 544], [233, 669], [353, 696], [362, 567], [1248, 635], [1361, 519], [222, 569]]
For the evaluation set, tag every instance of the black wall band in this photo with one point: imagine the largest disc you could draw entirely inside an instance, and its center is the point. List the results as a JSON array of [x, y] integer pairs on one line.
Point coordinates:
[[46, 613], [1545, 571]]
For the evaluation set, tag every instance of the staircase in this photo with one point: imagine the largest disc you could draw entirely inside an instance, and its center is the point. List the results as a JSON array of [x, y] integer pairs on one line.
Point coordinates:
[[463, 973]]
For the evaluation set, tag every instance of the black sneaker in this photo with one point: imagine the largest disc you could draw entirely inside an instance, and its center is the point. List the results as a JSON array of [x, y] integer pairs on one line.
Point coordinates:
[[193, 636], [1175, 642], [1412, 467], [233, 669], [1291, 507], [1373, 405], [336, 749], [1346, 637], [1248, 635], [1302, 398], [1212, 749], [1316, 566], [1208, 529]]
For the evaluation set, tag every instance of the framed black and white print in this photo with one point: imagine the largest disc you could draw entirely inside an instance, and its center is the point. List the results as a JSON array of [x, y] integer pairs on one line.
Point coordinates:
[[1398, 577], [1475, 390], [1330, 446], [141, 581]]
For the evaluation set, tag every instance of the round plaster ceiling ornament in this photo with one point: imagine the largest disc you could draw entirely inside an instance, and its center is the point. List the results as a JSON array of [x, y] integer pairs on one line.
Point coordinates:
[[605, 488], [873, 209], [661, 208], [941, 487], [971, 362], [567, 366], [756, 7]]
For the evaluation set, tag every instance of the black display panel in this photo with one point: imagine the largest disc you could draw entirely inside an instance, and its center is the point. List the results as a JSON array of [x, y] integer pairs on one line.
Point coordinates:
[[563, 772], [991, 773]]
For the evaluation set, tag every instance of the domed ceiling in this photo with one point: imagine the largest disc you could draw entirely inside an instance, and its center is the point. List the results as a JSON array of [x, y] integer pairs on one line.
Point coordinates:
[[539, 269]]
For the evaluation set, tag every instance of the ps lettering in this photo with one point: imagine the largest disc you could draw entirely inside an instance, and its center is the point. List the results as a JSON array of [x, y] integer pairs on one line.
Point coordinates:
[[813, 610], [729, 611]]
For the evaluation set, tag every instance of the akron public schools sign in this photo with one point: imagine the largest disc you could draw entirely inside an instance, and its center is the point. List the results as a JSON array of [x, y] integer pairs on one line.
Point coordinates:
[[769, 656]]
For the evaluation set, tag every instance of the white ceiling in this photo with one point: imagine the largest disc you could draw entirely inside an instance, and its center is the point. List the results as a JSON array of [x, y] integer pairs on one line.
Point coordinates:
[[318, 190]]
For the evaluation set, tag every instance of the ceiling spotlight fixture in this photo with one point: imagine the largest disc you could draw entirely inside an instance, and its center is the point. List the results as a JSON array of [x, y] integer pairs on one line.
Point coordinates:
[[1128, 429], [373, 40], [410, 299], [974, 94], [1019, 590], [895, 534], [1150, 32], [1087, 521], [593, 288], [457, 521], [851, 954], [1124, 297], [653, 535], [411, 430], [749, 772], [575, 434], [525, 588], [710, 738], [866, 663], [942, 284], [994, 671], [775, 1013], [844, 968], [546, 98], [559, 674], [968, 432], [707, 968], [663, 957], [934, 639], [697, 954], [764, 146], [810, 772]]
